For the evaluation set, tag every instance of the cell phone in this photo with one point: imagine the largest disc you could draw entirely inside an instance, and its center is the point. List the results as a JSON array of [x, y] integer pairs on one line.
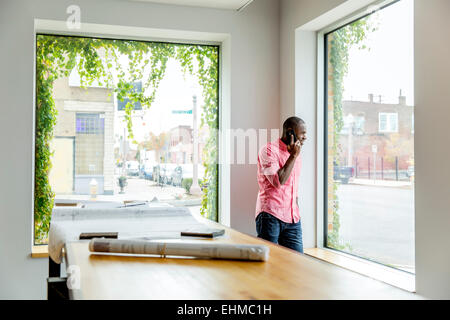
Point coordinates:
[[292, 133]]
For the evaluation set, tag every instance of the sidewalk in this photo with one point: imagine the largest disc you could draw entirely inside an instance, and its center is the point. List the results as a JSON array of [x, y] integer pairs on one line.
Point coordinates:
[[381, 183], [142, 190]]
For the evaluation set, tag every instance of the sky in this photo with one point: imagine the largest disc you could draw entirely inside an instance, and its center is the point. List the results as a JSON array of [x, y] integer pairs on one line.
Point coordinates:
[[174, 93], [384, 70], [389, 65]]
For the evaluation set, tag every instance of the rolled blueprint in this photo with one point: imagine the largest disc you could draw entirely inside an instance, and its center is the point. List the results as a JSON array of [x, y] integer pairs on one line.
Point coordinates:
[[190, 249]]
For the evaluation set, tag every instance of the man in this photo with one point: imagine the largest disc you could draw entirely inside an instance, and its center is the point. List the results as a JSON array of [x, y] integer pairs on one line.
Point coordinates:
[[279, 165]]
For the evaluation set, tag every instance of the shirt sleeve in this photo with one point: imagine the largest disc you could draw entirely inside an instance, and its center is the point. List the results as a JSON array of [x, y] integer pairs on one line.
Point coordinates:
[[269, 163]]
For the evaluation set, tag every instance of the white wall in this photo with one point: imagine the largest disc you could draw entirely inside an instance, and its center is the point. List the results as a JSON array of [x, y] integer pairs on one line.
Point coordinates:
[[298, 95], [432, 153], [254, 104], [294, 14]]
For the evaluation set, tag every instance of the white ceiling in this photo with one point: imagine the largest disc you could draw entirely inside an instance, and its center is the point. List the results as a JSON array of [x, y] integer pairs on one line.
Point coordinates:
[[218, 4]]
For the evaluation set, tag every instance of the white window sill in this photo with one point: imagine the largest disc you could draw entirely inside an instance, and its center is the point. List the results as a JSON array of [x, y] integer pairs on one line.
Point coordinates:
[[39, 251], [396, 278]]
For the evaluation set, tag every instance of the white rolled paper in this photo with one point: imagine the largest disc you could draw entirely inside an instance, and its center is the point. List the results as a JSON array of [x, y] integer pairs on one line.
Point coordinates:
[[190, 249]]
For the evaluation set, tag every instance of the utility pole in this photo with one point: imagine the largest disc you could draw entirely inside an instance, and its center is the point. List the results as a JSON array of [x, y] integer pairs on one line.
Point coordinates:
[[195, 188], [124, 170], [374, 151], [350, 120]]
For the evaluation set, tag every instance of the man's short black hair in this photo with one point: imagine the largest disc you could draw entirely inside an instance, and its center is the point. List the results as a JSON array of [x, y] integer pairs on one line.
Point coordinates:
[[292, 122]]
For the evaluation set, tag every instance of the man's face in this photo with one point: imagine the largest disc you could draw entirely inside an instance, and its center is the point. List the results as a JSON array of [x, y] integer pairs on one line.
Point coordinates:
[[300, 132]]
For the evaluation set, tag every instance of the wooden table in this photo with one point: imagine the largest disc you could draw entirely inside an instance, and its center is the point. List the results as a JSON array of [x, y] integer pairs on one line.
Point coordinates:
[[286, 275]]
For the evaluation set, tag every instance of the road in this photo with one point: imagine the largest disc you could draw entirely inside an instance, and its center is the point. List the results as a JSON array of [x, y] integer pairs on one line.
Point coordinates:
[[378, 222]]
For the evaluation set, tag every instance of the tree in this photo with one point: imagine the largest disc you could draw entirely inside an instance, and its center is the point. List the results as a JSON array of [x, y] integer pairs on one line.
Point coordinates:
[[155, 142]]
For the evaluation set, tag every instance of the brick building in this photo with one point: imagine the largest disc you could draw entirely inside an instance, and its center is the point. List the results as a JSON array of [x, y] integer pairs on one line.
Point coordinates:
[[83, 142], [180, 149], [378, 129]]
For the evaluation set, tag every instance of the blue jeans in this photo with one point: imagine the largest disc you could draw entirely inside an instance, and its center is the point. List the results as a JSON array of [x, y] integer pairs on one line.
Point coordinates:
[[274, 230]]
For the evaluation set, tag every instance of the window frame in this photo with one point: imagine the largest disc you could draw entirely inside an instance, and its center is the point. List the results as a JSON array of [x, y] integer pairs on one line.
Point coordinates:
[[388, 122], [322, 118], [220, 40]]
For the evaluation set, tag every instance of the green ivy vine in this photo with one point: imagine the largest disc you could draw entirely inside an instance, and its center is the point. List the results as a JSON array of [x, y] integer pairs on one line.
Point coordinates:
[[339, 44], [99, 60]]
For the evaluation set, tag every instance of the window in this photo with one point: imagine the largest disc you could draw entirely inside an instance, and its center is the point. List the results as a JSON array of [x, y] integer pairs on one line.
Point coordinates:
[[369, 177], [88, 123], [124, 110], [353, 125], [388, 122], [359, 125]]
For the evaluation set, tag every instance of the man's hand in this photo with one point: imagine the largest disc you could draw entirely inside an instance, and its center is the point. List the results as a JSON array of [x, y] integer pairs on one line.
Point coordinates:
[[285, 171], [294, 147]]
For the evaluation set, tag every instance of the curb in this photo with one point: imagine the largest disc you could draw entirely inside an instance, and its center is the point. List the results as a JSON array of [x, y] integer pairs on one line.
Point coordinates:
[[405, 185]]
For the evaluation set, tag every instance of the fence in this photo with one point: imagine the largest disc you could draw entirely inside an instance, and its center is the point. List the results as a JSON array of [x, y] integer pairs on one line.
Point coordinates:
[[382, 169]]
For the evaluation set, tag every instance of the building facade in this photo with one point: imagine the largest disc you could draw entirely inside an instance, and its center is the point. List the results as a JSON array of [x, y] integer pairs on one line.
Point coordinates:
[[377, 136], [83, 143]]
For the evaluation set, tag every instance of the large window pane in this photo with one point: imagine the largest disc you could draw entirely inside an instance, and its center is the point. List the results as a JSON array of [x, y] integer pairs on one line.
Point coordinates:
[[370, 137], [122, 121]]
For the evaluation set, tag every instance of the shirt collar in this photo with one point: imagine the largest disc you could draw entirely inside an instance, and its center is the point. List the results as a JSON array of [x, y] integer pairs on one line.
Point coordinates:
[[282, 145]]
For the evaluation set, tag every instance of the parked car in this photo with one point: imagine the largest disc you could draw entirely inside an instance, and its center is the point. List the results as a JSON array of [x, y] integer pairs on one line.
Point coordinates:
[[162, 173], [148, 171], [156, 173], [410, 171], [166, 170], [177, 176], [132, 168], [343, 174], [186, 171]]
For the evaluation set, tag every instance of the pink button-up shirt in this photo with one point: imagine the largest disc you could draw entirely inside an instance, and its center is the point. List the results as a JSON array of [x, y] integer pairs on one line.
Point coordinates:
[[273, 197]]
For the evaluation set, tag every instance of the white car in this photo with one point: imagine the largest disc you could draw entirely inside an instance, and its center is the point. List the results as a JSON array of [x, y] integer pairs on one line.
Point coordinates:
[[410, 172], [166, 170], [186, 171], [132, 168]]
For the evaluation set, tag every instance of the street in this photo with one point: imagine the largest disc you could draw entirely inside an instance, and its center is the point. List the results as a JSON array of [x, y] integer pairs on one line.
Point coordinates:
[[378, 223], [141, 190]]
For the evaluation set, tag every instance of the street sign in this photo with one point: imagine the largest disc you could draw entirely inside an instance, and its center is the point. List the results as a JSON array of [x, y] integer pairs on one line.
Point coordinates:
[[374, 148], [182, 111]]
